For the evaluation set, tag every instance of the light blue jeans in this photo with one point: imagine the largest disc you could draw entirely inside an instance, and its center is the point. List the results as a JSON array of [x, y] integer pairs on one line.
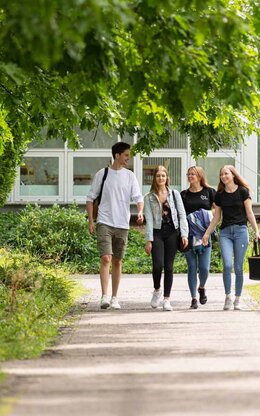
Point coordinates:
[[233, 241], [197, 264]]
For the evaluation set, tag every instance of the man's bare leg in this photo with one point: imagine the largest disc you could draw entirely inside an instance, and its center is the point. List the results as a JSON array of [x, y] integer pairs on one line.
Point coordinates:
[[116, 274], [105, 262]]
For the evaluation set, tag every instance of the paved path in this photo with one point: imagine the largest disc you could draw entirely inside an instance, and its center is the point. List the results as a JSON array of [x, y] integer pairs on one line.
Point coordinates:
[[144, 362]]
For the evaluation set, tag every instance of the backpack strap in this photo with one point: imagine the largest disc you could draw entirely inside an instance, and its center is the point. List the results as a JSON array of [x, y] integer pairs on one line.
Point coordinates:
[[102, 185]]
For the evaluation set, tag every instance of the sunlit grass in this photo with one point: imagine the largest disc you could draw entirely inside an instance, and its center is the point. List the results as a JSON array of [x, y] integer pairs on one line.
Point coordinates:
[[34, 301], [254, 291]]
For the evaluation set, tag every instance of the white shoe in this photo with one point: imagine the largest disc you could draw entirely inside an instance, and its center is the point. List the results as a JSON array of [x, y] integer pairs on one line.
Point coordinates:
[[227, 304], [114, 303], [104, 303], [155, 302], [166, 305], [237, 305]]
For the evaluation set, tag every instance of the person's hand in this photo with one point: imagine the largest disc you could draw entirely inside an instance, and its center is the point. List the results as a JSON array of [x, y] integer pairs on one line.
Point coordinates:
[[91, 227], [148, 247], [185, 242], [205, 239], [140, 218], [257, 236]]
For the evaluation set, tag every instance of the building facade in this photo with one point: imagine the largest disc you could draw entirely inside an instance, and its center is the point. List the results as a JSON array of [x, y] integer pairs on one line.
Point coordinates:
[[54, 173]]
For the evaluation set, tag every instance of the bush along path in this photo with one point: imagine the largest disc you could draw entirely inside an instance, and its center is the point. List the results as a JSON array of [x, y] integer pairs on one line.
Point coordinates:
[[61, 235], [34, 298]]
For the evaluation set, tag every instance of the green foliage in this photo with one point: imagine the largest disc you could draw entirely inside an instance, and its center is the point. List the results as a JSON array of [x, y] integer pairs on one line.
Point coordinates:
[[136, 260], [143, 67], [54, 233], [61, 235], [8, 225], [11, 152], [34, 298]]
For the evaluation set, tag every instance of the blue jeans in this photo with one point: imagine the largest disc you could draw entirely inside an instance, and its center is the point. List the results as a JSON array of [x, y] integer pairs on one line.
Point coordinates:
[[197, 263], [233, 241]]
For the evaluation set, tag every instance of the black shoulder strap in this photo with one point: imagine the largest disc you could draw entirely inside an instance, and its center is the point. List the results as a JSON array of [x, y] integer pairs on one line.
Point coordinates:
[[175, 203], [102, 185]]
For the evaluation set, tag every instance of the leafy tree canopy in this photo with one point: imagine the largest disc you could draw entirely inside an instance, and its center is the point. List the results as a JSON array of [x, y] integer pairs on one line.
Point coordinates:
[[146, 66]]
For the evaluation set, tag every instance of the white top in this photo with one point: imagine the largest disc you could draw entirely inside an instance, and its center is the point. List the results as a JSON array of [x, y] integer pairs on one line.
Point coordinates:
[[120, 188]]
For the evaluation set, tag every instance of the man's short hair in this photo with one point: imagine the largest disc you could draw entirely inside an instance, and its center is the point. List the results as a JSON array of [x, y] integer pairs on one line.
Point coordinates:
[[119, 147]]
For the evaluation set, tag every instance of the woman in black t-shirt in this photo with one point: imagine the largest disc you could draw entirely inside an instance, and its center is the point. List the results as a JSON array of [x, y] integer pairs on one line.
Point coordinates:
[[198, 196], [232, 202]]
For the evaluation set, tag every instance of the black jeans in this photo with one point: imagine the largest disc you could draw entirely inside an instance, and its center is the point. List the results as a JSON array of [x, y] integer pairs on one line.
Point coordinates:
[[164, 248]]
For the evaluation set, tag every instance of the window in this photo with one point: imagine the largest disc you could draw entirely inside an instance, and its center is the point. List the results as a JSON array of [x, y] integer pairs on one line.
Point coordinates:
[[172, 164], [39, 176], [177, 141], [212, 166], [84, 170]]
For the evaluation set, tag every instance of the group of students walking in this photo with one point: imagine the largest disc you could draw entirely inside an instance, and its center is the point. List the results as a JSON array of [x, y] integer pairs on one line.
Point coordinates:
[[192, 214]]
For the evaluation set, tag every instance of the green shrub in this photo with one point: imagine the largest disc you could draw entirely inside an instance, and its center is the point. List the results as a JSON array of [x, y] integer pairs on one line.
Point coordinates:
[[8, 226], [61, 235], [54, 233], [34, 298]]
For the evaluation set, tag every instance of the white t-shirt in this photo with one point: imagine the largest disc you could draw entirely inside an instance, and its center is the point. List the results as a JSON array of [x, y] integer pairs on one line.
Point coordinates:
[[120, 188]]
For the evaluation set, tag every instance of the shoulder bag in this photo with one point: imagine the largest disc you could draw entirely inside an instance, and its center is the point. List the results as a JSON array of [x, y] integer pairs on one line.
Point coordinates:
[[254, 262]]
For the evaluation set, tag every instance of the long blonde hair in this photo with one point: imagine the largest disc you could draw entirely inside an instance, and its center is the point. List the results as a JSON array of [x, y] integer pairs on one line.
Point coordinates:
[[201, 175], [238, 179], [154, 186]]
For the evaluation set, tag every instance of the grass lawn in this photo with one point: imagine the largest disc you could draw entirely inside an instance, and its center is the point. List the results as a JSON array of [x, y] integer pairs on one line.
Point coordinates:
[[254, 291]]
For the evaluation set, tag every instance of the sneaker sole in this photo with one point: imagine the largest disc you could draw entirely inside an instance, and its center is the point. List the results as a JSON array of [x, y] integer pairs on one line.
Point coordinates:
[[104, 305]]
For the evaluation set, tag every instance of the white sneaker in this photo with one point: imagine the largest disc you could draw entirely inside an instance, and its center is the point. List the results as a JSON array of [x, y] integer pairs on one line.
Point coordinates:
[[227, 304], [155, 302], [166, 305], [237, 305], [104, 303], [114, 303]]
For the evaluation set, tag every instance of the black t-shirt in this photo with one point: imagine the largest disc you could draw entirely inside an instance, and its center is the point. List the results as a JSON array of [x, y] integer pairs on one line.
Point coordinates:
[[232, 205], [196, 200]]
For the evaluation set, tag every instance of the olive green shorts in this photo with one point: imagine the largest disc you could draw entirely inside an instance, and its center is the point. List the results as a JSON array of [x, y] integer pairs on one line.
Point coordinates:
[[111, 240]]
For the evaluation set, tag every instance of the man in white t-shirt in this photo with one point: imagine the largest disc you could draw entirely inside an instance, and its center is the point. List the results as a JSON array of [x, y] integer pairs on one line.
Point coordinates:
[[120, 188]]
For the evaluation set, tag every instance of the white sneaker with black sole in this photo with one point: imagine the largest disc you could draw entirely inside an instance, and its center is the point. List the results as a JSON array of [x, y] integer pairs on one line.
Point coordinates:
[[104, 303]]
